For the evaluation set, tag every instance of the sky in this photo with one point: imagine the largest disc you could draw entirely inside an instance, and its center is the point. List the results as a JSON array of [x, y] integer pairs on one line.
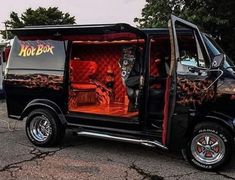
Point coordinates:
[[85, 11]]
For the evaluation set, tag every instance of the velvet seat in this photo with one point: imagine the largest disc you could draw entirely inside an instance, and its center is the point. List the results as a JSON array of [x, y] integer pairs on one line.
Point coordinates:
[[82, 71], [82, 90]]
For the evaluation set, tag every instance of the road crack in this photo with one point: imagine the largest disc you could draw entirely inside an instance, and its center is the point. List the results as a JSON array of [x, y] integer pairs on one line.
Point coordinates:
[[37, 155], [126, 175], [225, 175], [144, 174]]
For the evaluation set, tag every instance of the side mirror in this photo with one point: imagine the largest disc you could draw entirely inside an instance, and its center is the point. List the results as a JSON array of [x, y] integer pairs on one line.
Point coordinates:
[[217, 61]]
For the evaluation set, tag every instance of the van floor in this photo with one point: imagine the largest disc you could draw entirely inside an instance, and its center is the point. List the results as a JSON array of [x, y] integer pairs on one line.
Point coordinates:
[[114, 109]]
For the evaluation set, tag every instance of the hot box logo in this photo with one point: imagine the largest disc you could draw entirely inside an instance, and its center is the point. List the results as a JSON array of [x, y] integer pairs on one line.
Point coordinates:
[[36, 50]]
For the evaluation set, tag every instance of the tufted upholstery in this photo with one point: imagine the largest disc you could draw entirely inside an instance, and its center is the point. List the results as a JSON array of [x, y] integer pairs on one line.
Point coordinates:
[[83, 92], [82, 71], [83, 86], [105, 57]]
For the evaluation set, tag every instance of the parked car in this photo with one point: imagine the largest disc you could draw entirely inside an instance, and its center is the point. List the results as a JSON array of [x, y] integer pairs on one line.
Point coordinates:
[[121, 83], [4, 51]]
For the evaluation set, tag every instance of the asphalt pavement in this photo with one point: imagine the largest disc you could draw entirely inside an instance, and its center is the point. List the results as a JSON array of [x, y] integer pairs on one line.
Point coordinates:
[[87, 158]]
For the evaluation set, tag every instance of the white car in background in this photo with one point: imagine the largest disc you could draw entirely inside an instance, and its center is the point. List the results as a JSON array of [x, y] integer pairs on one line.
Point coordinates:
[[4, 52]]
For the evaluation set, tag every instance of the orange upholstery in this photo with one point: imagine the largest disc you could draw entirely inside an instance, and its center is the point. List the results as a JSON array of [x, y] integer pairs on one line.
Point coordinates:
[[83, 92], [82, 71], [105, 57], [83, 86]]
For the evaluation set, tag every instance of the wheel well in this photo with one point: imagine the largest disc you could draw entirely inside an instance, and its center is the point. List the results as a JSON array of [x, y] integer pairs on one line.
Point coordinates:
[[212, 120], [32, 108]]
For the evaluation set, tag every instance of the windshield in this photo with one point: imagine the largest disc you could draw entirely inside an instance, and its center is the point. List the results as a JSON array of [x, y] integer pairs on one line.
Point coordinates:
[[214, 49]]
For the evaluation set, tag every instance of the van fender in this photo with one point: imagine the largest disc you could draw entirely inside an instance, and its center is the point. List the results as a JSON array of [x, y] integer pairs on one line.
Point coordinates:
[[218, 117], [43, 103], [222, 119]]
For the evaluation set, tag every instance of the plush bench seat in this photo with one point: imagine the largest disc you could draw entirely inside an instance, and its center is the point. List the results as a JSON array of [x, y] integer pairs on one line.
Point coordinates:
[[82, 90]]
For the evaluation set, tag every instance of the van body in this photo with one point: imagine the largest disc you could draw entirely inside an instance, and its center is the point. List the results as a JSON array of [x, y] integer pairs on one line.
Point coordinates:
[[170, 88]]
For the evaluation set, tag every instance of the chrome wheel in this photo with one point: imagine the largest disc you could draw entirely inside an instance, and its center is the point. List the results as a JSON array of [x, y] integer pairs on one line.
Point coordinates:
[[208, 148], [40, 128]]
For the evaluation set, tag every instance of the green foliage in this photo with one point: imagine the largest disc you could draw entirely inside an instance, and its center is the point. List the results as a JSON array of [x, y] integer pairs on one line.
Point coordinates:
[[39, 16], [156, 13], [214, 17]]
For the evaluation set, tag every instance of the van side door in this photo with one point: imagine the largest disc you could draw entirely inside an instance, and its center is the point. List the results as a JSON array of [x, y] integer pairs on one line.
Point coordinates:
[[192, 60], [195, 79]]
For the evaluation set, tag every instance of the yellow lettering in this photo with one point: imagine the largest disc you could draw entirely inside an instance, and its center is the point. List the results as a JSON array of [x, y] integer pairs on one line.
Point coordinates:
[[39, 50], [23, 49], [28, 52], [45, 49], [50, 49], [33, 51]]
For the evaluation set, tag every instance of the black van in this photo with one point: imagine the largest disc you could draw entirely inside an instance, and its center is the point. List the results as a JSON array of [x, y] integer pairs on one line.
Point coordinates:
[[170, 88]]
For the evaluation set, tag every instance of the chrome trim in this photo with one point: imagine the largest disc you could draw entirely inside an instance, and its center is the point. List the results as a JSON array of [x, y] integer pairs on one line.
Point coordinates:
[[40, 128], [14, 117], [123, 139], [214, 70], [208, 148]]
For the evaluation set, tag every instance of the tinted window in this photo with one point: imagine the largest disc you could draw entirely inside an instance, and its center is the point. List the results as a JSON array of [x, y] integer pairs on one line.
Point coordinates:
[[191, 54], [37, 54], [214, 49]]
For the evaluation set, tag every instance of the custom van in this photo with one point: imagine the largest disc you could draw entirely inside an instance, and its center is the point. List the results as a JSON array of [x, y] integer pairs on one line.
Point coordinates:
[[169, 88]]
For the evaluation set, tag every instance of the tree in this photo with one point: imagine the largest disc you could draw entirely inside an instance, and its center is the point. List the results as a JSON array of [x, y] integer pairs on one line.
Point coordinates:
[[214, 17], [157, 13], [39, 16]]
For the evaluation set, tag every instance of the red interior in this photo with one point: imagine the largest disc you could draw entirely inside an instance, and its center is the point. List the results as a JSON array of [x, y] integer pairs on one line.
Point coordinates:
[[160, 49], [153, 63], [93, 60], [100, 57], [81, 72]]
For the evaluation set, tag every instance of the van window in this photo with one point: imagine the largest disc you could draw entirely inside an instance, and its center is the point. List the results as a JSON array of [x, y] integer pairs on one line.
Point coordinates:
[[214, 49], [191, 54], [37, 54]]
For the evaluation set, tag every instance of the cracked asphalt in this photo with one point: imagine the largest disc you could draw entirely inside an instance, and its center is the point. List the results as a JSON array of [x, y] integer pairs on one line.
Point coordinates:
[[87, 158]]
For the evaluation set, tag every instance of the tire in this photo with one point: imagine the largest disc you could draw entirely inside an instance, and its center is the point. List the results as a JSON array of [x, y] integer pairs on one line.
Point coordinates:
[[43, 128], [210, 146]]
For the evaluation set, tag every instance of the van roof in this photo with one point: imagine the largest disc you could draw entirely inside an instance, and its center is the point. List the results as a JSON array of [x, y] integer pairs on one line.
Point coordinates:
[[58, 30]]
